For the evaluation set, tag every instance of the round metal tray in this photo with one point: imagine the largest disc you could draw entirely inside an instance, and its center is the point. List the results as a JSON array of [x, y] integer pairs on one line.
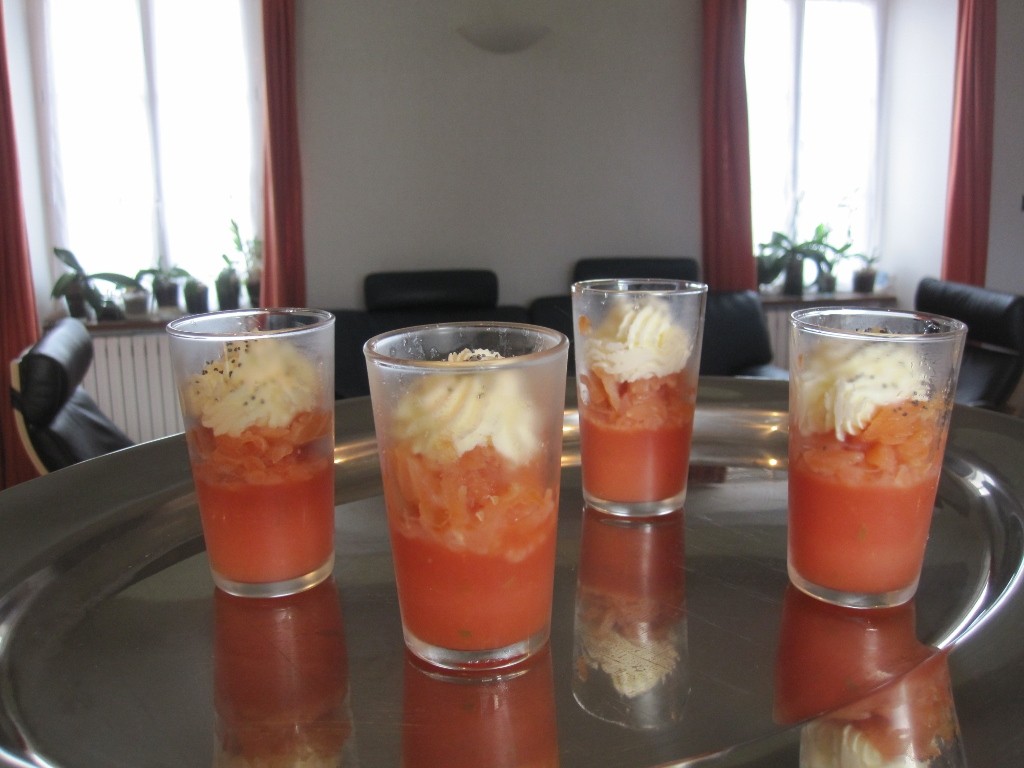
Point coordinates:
[[107, 622]]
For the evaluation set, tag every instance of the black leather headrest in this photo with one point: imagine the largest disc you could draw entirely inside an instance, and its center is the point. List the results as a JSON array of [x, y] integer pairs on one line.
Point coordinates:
[[51, 371], [735, 333], [619, 267], [992, 317], [430, 288]]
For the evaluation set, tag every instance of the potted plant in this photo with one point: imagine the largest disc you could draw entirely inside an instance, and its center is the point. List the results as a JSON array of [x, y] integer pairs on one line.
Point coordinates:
[[228, 285], [252, 253], [828, 259], [79, 291], [197, 296], [864, 278], [165, 284], [136, 302], [783, 255]]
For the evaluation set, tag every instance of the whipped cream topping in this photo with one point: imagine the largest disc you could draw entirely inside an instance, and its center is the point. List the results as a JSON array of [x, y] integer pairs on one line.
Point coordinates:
[[638, 341], [256, 382], [634, 668], [829, 744], [449, 413], [841, 390]]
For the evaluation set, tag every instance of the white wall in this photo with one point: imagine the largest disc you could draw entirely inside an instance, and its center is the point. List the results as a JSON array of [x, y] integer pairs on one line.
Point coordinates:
[[22, 96], [420, 150], [423, 151], [918, 76], [1006, 235]]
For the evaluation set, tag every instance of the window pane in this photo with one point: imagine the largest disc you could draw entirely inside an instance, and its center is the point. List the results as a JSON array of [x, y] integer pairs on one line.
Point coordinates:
[[769, 63], [105, 157], [821, 171], [838, 118], [141, 175], [204, 131]]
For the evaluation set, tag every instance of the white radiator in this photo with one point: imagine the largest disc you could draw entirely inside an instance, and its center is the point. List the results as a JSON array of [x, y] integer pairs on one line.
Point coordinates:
[[778, 332], [777, 310], [131, 381]]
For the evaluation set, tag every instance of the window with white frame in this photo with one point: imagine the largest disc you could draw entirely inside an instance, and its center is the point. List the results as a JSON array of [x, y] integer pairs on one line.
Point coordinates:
[[151, 129], [812, 69]]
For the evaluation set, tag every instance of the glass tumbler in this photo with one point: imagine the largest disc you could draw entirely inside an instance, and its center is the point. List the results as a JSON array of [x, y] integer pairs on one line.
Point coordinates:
[[870, 397], [637, 361], [256, 389], [469, 419]]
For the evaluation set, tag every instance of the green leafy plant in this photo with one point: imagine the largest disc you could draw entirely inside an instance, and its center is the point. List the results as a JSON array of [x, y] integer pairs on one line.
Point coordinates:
[[76, 282], [197, 296], [250, 250], [162, 276], [783, 254], [864, 277], [164, 283], [228, 285]]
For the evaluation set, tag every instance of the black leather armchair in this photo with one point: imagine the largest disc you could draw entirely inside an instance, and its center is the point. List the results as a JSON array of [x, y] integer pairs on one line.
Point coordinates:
[[403, 298], [57, 420], [736, 340], [661, 267], [994, 354], [419, 290]]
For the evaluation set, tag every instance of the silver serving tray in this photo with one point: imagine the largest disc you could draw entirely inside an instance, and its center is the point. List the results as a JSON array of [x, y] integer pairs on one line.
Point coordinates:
[[106, 619]]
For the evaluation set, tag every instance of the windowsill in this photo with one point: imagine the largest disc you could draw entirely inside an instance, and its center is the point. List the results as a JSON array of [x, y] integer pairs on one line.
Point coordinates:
[[811, 298], [152, 322]]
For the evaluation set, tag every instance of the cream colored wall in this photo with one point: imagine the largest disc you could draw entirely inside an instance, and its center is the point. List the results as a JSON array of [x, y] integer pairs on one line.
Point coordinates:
[[421, 150], [1006, 232], [917, 104]]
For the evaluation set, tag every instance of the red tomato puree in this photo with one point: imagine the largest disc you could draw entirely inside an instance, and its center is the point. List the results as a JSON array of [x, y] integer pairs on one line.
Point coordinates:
[[266, 498], [474, 546], [635, 437], [860, 509]]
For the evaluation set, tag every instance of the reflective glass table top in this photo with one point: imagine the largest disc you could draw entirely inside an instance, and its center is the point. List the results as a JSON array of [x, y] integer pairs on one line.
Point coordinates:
[[116, 650]]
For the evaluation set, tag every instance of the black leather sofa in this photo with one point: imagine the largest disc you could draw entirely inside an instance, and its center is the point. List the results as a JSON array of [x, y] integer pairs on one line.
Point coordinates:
[[736, 341], [993, 359], [401, 299]]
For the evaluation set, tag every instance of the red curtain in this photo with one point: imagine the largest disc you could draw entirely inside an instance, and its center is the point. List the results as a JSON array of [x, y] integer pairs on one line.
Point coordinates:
[[18, 329], [969, 195], [284, 261], [728, 250]]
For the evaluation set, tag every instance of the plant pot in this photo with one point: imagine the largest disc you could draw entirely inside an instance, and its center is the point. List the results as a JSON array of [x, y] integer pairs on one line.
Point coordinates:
[[229, 292], [197, 298], [167, 294], [793, 283], [109, 311], [864, 281], [252, 287], [136, 303], [77, 305], [826, 283]]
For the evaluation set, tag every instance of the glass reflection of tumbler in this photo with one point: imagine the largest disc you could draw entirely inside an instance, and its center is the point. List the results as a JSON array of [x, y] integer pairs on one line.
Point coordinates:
[[504, 721], [881, 696], [631, 664], [911, 721], [281, 680]]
